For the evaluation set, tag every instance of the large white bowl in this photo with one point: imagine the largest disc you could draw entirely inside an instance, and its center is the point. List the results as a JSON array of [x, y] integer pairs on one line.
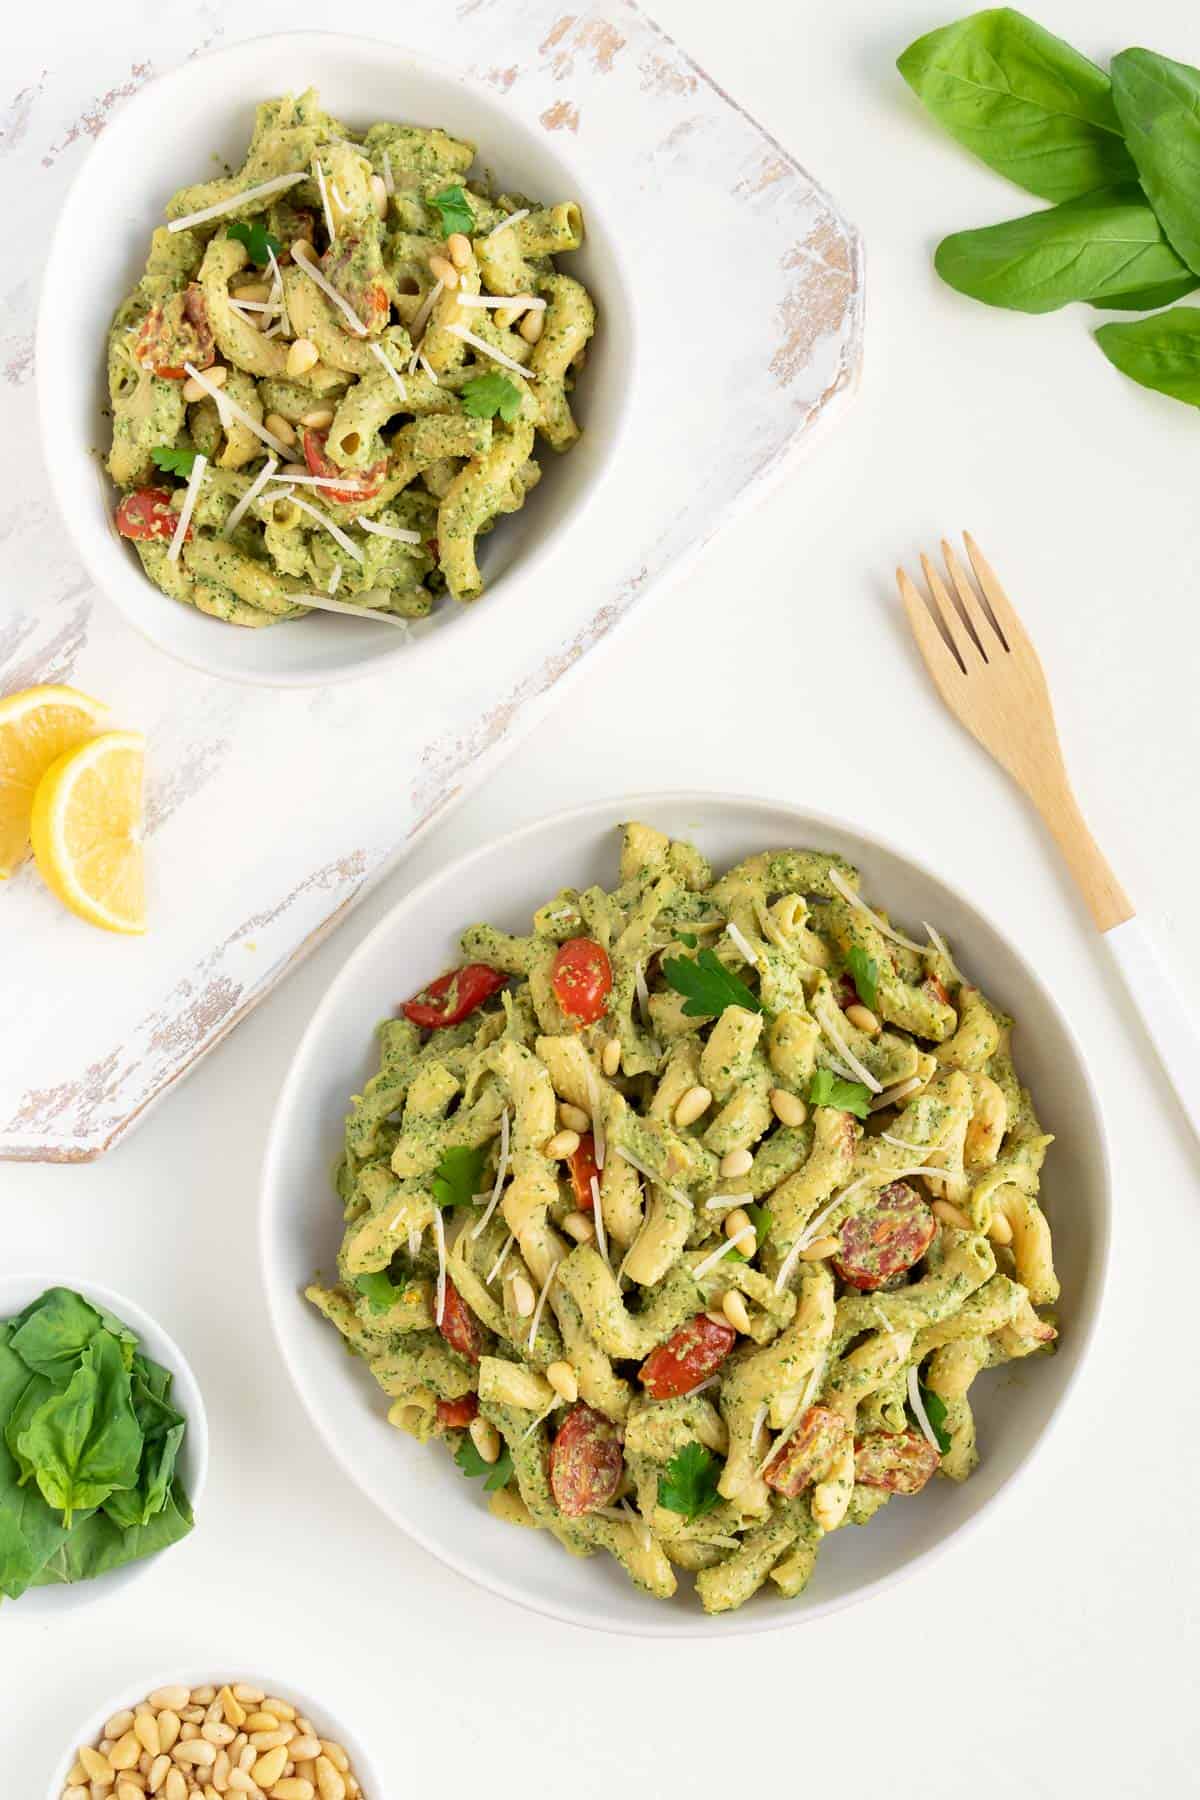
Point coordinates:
[[301, 1224], [16, 1292], [100, 244], [314, 1708]]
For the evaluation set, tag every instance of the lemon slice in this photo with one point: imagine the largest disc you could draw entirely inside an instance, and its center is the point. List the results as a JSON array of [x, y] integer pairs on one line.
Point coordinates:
[[87, 830], [36, 728]]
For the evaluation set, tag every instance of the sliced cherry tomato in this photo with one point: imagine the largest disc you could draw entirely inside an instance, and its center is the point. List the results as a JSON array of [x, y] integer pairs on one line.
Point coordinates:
[[583, 1167], [688, 1357], [369, 480], [453, 995], [885, 1239], [582, 979], [808, 1453], [586, 1463], [147, 514], [456, 1415], [175, 333], [901, 1462], [459, 1326]]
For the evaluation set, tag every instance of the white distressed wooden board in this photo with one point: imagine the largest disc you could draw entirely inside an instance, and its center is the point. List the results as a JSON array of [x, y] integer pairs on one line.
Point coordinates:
[[271, 812]]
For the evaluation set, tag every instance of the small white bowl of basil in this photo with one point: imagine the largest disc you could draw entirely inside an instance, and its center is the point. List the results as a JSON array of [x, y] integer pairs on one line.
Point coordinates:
[[103, 1442]]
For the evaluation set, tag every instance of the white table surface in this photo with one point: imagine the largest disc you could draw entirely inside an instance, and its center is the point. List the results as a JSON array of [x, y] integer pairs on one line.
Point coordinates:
[[1049, 1654]]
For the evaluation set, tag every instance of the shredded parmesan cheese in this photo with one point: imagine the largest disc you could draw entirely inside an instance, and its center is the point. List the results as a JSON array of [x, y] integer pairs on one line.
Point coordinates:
[[337, 197], [501, 1259], [901, 1091], [501, 1172], [278, 293], [710, 1262], [540, 1420], [428, 367], [250, 496], [512, 219], [918, 1405], [521, 302], [848, 894], [485, 349], [335, 531], [598, 1219], [939, 944], [195, 480], [537, 1311], [439, 1235], [599, 1141], [320, 175], [716, 1200], [389, 531], [346, 482], [237, 203], [327, 288], [388, 180], [742, 944], [377, 352], [414, 1241], [843, 1049], [426, 307], [643, 993], [793, 1425], [322, 603], [334, 579], [243, 417], [917, 1149]]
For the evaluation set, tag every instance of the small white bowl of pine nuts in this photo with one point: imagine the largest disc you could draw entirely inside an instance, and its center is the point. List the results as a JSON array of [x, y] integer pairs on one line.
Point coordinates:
[[233, 1735]]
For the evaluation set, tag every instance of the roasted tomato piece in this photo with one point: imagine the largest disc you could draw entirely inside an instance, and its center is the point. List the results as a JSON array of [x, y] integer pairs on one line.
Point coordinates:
[[175, 333], [459, 1326], [937, 988], [354, 267], [585, 1462], [901, 1462], [147, 514], [582, 1164], [368, 481], [582, 979], [808, 1453], [688, 1357], [845, 991], [456, 1415], [885, 1239], [453, 996]]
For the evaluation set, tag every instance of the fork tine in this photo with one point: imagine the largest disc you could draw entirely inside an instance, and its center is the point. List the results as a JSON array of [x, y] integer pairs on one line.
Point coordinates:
[[940, 654], [946, 605], [965, 597], [999, 608]]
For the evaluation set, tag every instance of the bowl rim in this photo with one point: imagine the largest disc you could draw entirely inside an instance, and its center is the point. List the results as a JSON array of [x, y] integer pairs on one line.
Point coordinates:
[[633, 806], [86, 539], [147, 1326], [198, 1674]]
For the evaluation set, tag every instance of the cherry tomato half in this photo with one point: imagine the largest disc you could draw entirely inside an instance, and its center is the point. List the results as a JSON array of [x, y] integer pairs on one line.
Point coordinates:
[[586, 1463], [147, 514], [582, 1164], [453, 996], [901, 1462], [582, 979], [808, 1453], [369, 481], [456, 1415], [688, 1357], [459, 1326], [885, 1238]]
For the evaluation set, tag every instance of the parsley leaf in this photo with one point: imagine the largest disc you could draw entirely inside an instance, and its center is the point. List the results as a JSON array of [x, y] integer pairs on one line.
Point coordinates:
[[380, 1292], [257, 239], [471, 1463], [708, 985], [864, 971], [455, 209], [688, 1485], [689, 938], [487, 395], [935, 1412], [175, 462], [457, 1177], [828, 1089]]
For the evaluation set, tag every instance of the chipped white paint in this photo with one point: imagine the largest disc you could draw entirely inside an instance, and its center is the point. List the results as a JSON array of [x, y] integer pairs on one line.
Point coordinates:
[[262, 830]]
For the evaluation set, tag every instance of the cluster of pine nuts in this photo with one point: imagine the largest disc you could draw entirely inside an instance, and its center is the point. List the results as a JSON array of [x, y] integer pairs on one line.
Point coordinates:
[[207, 1743]]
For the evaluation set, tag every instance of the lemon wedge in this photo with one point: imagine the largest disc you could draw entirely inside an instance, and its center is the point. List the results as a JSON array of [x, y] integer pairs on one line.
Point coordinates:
[[87, 830], [37, 726]]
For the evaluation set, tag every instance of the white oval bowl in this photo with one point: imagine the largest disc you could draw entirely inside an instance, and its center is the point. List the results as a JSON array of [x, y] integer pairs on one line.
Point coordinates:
[[206, 106], [16, 1292], [301, 1226], [131, 1693]]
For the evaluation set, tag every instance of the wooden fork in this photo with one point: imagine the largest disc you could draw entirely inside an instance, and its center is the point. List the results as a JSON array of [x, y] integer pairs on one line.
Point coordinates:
[[988, 673]]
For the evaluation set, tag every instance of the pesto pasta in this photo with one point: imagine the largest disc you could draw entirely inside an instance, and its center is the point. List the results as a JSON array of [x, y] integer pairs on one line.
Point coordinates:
[[688, 1219], [331, 378]]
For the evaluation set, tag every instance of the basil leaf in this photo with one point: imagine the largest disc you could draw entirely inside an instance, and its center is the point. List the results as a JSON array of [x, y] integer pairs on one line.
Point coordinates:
[[29, 1531], [85, 1442], [1158, 104], [97, 1544], [51, 1334], [864, 972], [1022, 101], [1106, 243], [1149, 299], [935, 1412], [1162, 353]]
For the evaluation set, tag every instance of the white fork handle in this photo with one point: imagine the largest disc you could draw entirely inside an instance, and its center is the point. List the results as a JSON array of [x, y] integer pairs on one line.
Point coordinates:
[[1156, 996]]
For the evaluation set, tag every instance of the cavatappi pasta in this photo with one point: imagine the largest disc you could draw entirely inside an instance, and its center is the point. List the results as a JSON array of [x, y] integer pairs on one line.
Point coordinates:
[[690, 1218], [328, 384]]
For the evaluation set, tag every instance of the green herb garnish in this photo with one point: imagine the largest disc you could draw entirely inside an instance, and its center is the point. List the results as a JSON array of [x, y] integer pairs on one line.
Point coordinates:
[[827, 1089], [457, 1177], [708, 985], [257, 239], [935, 1412], [486, 395], [689, 938], [174, 462], [455, 209], [864, 972], [380, 1291], [471, 1463], [688, 1485]]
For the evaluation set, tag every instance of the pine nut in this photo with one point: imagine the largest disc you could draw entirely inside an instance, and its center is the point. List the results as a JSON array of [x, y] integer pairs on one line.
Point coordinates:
[[159, 1770], [443, 271], [251, 1695], [168, 1729], [319, 419], [269, 1768], [146, 1731], [220, 1771], [577, 1225], [196, 1753], [267, 1740], [280, 428], [573, 1117], [192, 1715], [240, 1782], [118, 1725], [292, 1787], [189, 1730], [96, 1764], [217, 1733], [125, 1752], [77, 1774], [336, 1755], [564, 1381], [330, 1785], [738, 1220], [950, 1215], [204, 1696], [486, 1440], [696, 1101], [251, 290], [127, 1791], [524, 1298], [261, 1721], [459, 246], [308, 1747], [302, 356], [610, 1057], [281, 1708], [234, 1712], [864, 1019], [736, 1162], [734, 1308], [789, 1109], [999, 1231], [819, 1249], [192, 391], [379, 195], [176, 1788], [532, 325], [75, 1793], [562, 1145]]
